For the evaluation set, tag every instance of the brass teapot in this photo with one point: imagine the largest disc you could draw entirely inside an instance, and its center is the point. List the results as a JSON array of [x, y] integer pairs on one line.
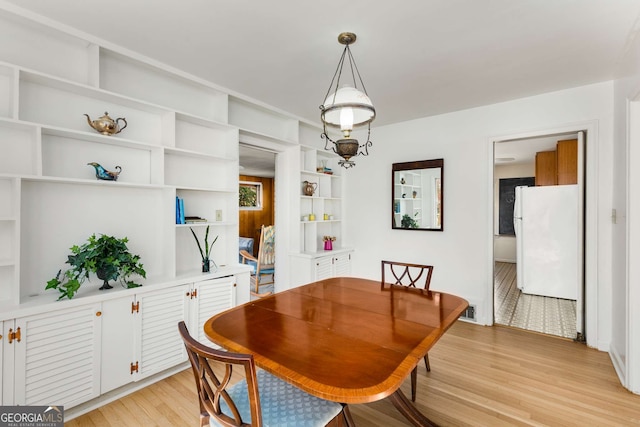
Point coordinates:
[[106, 125], [309, 188]]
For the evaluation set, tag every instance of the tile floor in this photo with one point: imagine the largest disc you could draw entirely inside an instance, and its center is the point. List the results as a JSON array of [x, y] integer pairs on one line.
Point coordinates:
[[553, 316]]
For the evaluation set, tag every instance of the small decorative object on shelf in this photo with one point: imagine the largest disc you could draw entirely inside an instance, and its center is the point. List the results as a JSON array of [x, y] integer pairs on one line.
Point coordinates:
[[414, 194], [323, 168], [312, 217], [194, 220], [106, 256], [106, 125], [309, 188], [328, 242], [402, 181], [103, 174], [206, 261]]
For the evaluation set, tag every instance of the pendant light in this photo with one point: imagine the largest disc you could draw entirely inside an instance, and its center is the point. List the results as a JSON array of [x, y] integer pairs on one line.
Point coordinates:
[[347, 107]]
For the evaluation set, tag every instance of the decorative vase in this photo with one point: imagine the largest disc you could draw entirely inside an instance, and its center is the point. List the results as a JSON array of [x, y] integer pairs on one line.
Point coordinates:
[[102, 275], [206, 264], [328, 245]]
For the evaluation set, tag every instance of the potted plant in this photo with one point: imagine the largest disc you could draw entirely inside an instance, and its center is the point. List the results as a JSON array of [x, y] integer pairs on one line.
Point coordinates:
[[106, 256], [206, 261], [408, 222]]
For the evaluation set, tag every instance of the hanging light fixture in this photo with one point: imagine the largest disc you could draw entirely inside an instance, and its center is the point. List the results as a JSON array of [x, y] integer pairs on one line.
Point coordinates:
[[347, 107]]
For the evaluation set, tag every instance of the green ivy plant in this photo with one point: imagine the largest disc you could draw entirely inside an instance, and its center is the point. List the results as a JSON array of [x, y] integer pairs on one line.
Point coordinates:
[[106, 256], [408, 222]]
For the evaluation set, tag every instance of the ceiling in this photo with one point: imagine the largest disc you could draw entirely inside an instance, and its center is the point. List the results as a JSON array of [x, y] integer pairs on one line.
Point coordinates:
[[417, 57]]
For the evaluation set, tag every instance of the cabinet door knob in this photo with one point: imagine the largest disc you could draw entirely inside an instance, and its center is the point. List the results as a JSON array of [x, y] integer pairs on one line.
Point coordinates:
[[98, 313]]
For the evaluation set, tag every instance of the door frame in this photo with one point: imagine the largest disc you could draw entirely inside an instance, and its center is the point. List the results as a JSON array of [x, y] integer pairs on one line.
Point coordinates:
[[590, 128]]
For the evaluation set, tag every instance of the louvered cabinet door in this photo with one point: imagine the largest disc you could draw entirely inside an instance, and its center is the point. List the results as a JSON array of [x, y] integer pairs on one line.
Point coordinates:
[[324, 268], [118, 324], [159, 345], [342, 265], [57, 360], [212, 297]]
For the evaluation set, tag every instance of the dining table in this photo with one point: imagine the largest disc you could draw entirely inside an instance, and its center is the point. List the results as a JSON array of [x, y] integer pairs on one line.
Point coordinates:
[[345, 339]]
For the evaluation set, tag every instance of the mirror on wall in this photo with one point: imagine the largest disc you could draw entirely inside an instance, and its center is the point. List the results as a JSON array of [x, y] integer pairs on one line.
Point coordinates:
[[416, 199]]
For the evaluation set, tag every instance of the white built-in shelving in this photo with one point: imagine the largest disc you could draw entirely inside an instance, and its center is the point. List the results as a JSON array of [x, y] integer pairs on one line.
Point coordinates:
[[181, 140], [407, 196]]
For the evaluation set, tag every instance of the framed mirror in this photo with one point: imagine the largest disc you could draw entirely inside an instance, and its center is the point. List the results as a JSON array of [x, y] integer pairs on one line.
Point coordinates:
[[416, 195]]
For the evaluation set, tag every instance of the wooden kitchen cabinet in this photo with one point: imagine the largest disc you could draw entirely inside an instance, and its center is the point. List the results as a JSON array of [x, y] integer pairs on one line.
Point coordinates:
[[567, 161], [546, 168]]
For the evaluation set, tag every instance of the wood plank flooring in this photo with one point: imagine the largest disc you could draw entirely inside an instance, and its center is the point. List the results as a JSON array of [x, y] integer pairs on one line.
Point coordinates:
[[480, 376]]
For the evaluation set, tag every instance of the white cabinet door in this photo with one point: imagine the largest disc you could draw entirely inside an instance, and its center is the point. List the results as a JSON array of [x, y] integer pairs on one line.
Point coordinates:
[[6, 363], [333, 265], [117, 343], [57, 361], [210, 297], [159, 345], [324, 267], [342, 264]]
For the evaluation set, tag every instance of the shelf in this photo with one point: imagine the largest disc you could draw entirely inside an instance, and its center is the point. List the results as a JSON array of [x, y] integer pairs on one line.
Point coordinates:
[[94, 182], [41, 97], [206, 137], [205, 224], [127, 76], [93, 136], [197, 154], [45, 49], [257, 121]]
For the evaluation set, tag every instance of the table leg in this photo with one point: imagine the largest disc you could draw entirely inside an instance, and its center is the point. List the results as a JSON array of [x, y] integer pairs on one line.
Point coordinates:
[[407, 409]]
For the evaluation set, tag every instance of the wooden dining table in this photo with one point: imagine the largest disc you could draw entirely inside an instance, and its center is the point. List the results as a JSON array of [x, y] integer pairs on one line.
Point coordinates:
[[344, 339]]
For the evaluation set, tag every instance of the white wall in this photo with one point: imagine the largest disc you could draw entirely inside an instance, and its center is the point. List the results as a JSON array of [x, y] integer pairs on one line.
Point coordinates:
[[625, 343], [504, 247], [462, 252]]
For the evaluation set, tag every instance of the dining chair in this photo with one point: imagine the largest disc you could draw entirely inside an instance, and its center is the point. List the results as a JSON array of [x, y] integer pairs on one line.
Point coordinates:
[[263, 265], [259, 399], [413, 276]]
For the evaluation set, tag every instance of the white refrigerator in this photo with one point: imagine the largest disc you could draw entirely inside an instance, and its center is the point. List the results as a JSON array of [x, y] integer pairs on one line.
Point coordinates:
[[547, 245]]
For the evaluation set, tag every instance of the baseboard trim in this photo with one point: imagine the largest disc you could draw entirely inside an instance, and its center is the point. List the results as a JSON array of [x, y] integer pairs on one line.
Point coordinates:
[[116, 394], [618, 365], [510, 261]]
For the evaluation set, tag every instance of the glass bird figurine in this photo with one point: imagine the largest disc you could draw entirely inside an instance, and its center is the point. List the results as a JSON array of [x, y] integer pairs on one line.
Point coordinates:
[[103, 174]]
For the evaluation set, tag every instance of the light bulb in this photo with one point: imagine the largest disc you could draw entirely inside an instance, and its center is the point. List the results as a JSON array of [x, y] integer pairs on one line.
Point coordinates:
[[346, 121]]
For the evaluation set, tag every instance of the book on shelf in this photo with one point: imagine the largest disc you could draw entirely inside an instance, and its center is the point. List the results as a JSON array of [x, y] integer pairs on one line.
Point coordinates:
[[180, 219], [194, 219]]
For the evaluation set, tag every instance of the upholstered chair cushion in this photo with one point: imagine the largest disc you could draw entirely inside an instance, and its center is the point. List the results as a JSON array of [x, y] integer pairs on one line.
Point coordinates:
[[282, 404]]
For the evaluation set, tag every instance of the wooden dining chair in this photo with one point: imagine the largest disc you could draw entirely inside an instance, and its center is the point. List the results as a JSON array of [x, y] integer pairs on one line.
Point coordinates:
[[264, 264], [259, 399], [414, 276]]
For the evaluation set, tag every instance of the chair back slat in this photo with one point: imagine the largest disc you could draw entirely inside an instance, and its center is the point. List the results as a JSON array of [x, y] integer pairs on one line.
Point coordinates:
[[212, 386], [407, 274]]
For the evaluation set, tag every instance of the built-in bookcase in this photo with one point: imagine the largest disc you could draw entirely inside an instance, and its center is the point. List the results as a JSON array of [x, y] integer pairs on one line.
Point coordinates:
[[181, 140], [178, 143]]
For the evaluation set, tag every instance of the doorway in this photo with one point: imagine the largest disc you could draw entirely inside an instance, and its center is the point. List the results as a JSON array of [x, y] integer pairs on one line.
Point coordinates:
[[538, 278], [257, 173]]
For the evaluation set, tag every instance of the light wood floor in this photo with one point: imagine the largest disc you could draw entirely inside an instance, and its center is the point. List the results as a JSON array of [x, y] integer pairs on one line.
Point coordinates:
[[480, 376]]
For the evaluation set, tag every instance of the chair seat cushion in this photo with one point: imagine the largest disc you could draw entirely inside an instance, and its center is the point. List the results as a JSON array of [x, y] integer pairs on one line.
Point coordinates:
[[283, 405]]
